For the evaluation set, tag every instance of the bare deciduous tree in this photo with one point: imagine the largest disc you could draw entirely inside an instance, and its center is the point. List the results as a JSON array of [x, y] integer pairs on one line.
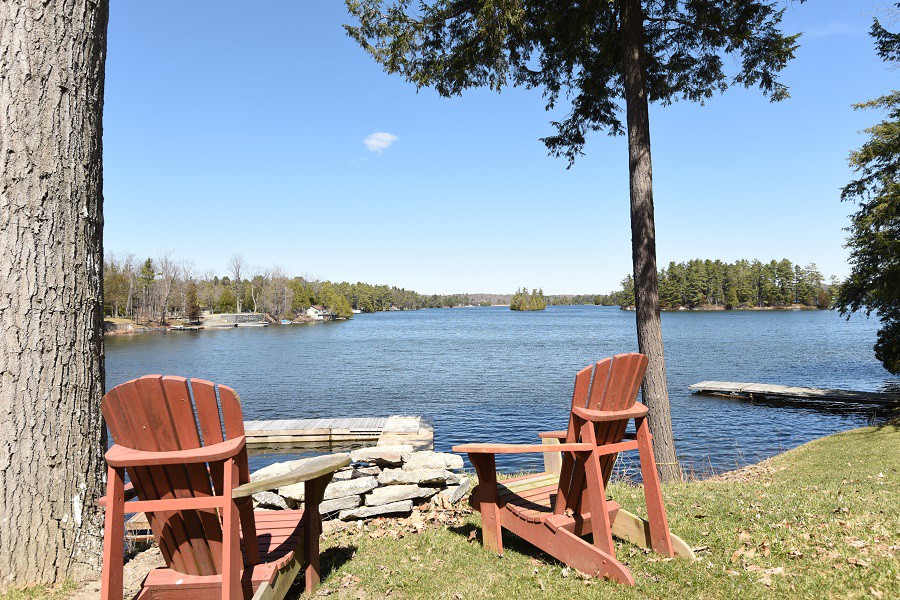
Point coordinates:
[[236, 266]]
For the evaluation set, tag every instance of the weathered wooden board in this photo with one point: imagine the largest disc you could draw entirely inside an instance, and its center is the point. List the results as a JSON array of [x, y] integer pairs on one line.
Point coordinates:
[[765, 390], [417, 431]]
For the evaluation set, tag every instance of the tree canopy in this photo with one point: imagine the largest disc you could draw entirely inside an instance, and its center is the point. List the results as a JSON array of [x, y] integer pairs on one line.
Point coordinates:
[[522, 300], [874, 241], [574, 52], [705, 283]]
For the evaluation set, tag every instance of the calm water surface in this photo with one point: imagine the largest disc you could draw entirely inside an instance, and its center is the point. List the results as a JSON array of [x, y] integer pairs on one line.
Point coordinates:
[[490, 374]]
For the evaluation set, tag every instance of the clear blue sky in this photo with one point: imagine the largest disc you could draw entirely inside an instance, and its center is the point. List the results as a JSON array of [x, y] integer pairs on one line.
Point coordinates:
[[234, 127]]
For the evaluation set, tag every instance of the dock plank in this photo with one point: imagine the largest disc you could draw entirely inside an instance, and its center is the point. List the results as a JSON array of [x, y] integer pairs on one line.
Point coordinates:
[[767, 390]]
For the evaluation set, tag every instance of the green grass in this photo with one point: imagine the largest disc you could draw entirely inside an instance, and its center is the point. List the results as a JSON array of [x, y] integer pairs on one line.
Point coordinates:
[[817, 521], [38, 591]]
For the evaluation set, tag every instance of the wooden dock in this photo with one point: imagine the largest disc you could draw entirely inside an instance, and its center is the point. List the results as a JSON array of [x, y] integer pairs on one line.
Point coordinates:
[[416, 431], [762, 391]]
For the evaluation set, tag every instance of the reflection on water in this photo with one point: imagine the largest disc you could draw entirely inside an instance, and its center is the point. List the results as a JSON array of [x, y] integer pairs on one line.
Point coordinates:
[[490, 374]]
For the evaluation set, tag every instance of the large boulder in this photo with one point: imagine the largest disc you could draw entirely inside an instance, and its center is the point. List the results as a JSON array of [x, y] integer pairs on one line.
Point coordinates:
[[427, 459], [395, 493], [364, 512], [382, 455], [419, 477]]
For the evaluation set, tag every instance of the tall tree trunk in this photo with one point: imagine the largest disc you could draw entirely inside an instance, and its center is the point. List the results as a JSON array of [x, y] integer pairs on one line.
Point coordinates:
[[643, 242], [51, 288]]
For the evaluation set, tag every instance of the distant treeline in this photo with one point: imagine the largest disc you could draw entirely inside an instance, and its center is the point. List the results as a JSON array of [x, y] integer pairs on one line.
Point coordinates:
[[156, 289], [741, 284], [522, 300]]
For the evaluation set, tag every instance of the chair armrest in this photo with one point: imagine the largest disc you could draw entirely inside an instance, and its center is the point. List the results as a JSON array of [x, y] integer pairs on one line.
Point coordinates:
[[120, 456], [599, 416], [309, 468], [559, 435], [520, 448]]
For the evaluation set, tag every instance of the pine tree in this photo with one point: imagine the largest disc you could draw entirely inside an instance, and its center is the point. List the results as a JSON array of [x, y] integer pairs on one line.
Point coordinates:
[[601, 55]]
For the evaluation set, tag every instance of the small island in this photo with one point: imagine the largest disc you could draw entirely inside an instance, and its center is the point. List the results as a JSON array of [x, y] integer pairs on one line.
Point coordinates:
[[522, 300]]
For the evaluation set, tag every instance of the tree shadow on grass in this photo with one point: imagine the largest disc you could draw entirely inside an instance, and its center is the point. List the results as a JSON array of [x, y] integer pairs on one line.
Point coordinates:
[[330, 560]]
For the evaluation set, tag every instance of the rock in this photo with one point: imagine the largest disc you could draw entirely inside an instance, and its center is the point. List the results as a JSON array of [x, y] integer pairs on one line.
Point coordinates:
[[273, 470], [419, 476], [381, 455], [295, 492], [330, 506], [343, 474], [335, 489], [396, 493], [404, 506], [366, 471], [427, 459], [270, 500], [351, 487], [452, 495]]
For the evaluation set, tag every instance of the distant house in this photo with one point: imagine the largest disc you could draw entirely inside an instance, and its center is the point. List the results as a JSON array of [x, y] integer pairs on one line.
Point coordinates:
[[319, 313]]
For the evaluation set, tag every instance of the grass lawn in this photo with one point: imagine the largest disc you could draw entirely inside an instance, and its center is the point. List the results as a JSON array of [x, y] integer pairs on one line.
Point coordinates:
[[818, 521]]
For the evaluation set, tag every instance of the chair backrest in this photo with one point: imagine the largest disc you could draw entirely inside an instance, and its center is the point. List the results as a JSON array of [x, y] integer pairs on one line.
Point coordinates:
[[156, 413], [610, 385]]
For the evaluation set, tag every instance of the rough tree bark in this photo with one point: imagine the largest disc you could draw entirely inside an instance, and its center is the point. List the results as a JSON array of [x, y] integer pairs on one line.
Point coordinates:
[[655, 390], [52, 57]]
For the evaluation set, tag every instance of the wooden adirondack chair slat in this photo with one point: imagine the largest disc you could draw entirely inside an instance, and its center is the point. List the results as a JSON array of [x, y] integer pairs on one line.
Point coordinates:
[[209, 552], [551, 511]]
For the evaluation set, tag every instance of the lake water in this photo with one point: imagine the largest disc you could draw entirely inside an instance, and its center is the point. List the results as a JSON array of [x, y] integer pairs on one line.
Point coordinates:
[[491, 374]]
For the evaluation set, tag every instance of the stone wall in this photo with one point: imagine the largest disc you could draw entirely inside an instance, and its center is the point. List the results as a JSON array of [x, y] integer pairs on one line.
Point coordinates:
[[381, 480]]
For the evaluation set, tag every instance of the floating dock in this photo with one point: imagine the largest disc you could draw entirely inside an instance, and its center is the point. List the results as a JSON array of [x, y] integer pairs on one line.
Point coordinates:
[[416, 431], [762, 391]]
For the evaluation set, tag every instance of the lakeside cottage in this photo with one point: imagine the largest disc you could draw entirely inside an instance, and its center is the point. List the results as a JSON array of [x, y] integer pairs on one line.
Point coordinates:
[[319, 313]]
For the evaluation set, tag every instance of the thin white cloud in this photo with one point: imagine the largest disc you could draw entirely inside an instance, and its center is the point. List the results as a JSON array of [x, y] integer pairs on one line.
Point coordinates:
[[379, 141], [832, 28]]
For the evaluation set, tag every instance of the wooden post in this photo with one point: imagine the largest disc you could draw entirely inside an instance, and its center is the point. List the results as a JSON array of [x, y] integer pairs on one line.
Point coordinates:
[[113, 536]]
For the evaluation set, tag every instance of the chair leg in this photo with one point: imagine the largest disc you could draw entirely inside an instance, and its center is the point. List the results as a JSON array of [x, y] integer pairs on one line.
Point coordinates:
[[489, 502], [600, 525], [232, 559], [113, 536], [656, 513], [314, 490]]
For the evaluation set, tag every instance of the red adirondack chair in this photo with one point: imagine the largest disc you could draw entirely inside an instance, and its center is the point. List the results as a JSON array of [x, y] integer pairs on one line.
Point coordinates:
[[188, 470], [554, 510]]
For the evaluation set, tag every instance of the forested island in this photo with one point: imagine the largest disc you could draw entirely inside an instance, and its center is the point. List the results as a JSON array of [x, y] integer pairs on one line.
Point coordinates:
[[743, 284], [522, 300]]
